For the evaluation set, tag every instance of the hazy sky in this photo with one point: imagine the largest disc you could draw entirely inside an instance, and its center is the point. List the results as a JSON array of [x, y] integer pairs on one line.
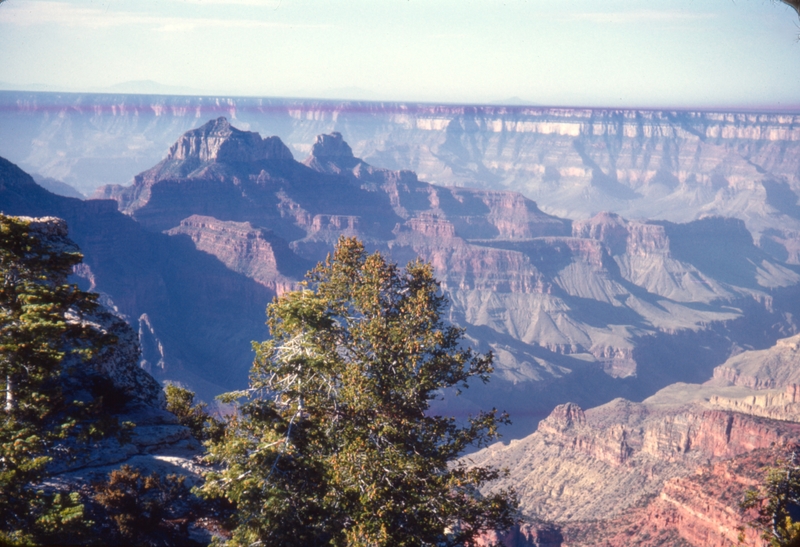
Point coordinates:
[[742, 53]]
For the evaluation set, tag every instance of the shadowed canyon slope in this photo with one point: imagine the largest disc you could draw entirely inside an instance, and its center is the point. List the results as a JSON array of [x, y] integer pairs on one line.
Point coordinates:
[[668, 165], [195, 317], [584, 310]]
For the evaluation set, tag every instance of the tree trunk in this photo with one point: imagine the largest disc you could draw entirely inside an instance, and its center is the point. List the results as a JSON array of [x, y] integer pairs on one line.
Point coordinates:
[[9, 393]]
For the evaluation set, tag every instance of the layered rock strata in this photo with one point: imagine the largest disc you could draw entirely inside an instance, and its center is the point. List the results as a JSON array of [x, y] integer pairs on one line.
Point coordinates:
[[547, 295], [670, 165], [670, 470], [590, 309]]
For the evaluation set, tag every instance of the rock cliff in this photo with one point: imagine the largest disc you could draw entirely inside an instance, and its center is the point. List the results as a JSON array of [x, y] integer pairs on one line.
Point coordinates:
[[253, 252], [669, 470], [195, 317], [129, 394]]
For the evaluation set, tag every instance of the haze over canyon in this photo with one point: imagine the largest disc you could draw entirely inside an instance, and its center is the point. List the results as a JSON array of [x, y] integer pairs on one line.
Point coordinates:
[[636, 274]]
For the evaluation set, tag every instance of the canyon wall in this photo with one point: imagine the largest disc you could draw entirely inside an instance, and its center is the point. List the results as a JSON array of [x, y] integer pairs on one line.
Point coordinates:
[[668, 165], [584, 310], [671, 470]]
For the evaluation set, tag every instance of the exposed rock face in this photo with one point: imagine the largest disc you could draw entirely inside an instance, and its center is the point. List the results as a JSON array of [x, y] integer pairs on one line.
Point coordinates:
[[137, 396], [556, 301], [247, 250], [116, 362], [120, 362], [697, 510], [574, 469], [117, 414], [567, 425], [775, 404], [771, 368], [670, 470], [330, 154], [195, 317], [219, 141], [526, 535]]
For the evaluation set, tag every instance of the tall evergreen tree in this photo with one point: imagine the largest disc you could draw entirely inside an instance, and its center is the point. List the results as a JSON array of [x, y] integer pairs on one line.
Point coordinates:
[[335, 443], [40, 331]]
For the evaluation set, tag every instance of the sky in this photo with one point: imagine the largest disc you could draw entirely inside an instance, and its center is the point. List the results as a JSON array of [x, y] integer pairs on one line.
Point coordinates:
[[615, 53]]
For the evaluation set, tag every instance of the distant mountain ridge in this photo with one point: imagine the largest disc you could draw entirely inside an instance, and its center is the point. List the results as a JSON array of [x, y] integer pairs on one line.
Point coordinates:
[[675, 165]]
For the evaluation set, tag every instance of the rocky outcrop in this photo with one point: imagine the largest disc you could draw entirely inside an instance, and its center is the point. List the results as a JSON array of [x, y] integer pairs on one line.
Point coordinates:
[[199, 316], [331, 154], [525, 535], [774, 404], [219, 141], [256, 253], [111, 413], [771, 368], [697, 510], [112, 380], [567, 426], [670, 470], [602, 463], [714, 434]]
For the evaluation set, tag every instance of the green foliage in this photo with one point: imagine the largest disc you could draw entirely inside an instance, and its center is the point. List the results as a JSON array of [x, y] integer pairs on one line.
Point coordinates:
[[777, 505], [61, 518], [202, 425], [142, 508], [36, 340], [334, 443]]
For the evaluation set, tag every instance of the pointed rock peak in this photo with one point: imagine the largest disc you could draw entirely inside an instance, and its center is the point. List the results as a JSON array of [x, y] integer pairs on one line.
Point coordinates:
[[331, 146], [219, 141], [564, 417], [220, 127], [331, 154], [608, 218]]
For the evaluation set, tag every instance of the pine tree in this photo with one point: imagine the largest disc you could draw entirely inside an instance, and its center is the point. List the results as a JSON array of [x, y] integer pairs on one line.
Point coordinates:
[[40, 331], [777, 504], [334, 443]]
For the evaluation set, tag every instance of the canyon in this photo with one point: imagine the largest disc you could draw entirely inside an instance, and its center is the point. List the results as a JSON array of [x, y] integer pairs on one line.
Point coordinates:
[[641, 312], [575, 162], [584, 310]]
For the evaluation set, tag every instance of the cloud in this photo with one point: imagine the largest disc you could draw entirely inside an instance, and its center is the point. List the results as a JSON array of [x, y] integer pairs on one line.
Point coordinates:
[[40, 12], [639, 16]]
